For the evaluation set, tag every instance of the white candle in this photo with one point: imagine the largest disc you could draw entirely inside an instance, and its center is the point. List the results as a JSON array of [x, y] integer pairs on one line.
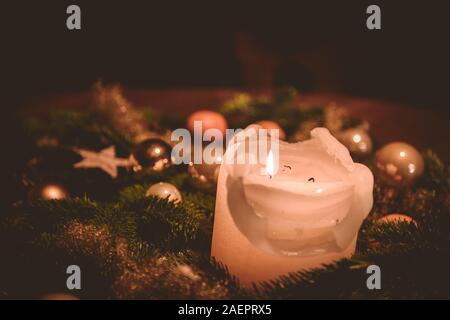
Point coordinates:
[[302, 213]]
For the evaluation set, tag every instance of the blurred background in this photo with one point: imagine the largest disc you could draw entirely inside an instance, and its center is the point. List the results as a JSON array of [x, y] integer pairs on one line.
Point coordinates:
[[316, 46]]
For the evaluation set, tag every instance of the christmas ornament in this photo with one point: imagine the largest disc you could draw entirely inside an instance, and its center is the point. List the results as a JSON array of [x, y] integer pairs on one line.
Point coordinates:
[[119, 111], [59, 296], [154, 153], [208, 120], [357, 141], [304, 215], [166, 191], [268, 124], [398, 164], [48, 191], [105, 160], [205, 174], [396, 217]]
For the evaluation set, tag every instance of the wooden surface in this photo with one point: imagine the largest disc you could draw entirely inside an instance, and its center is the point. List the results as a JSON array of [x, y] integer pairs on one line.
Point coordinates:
[[422, 128]]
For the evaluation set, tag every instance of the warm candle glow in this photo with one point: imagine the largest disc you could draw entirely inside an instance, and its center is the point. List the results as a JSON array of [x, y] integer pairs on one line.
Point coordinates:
[[270, 168], [304, 217]]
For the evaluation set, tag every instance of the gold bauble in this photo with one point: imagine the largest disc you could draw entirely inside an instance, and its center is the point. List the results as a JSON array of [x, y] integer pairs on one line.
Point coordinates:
[[205, 175], [154, 153], [164, 190], [375, 244], [48, 191], [398, 164], [357, 141]]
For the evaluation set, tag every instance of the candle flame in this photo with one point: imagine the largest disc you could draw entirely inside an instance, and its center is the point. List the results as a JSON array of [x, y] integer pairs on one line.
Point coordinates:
[[270, 169]]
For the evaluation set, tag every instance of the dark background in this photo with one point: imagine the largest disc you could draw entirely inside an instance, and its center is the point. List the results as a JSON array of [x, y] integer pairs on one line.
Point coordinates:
[[314, 45]]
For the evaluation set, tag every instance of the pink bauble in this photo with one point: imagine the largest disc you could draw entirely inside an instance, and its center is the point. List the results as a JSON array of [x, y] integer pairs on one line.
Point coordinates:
[[209, 120]]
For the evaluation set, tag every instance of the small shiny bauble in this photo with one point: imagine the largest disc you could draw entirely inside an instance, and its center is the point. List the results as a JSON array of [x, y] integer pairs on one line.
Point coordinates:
[[205, 175], [398, 164], [59, 296], [268, 124], [154, 153], [395, 218], [166, 191], [209, 120], [357, 141], [48, 191]]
